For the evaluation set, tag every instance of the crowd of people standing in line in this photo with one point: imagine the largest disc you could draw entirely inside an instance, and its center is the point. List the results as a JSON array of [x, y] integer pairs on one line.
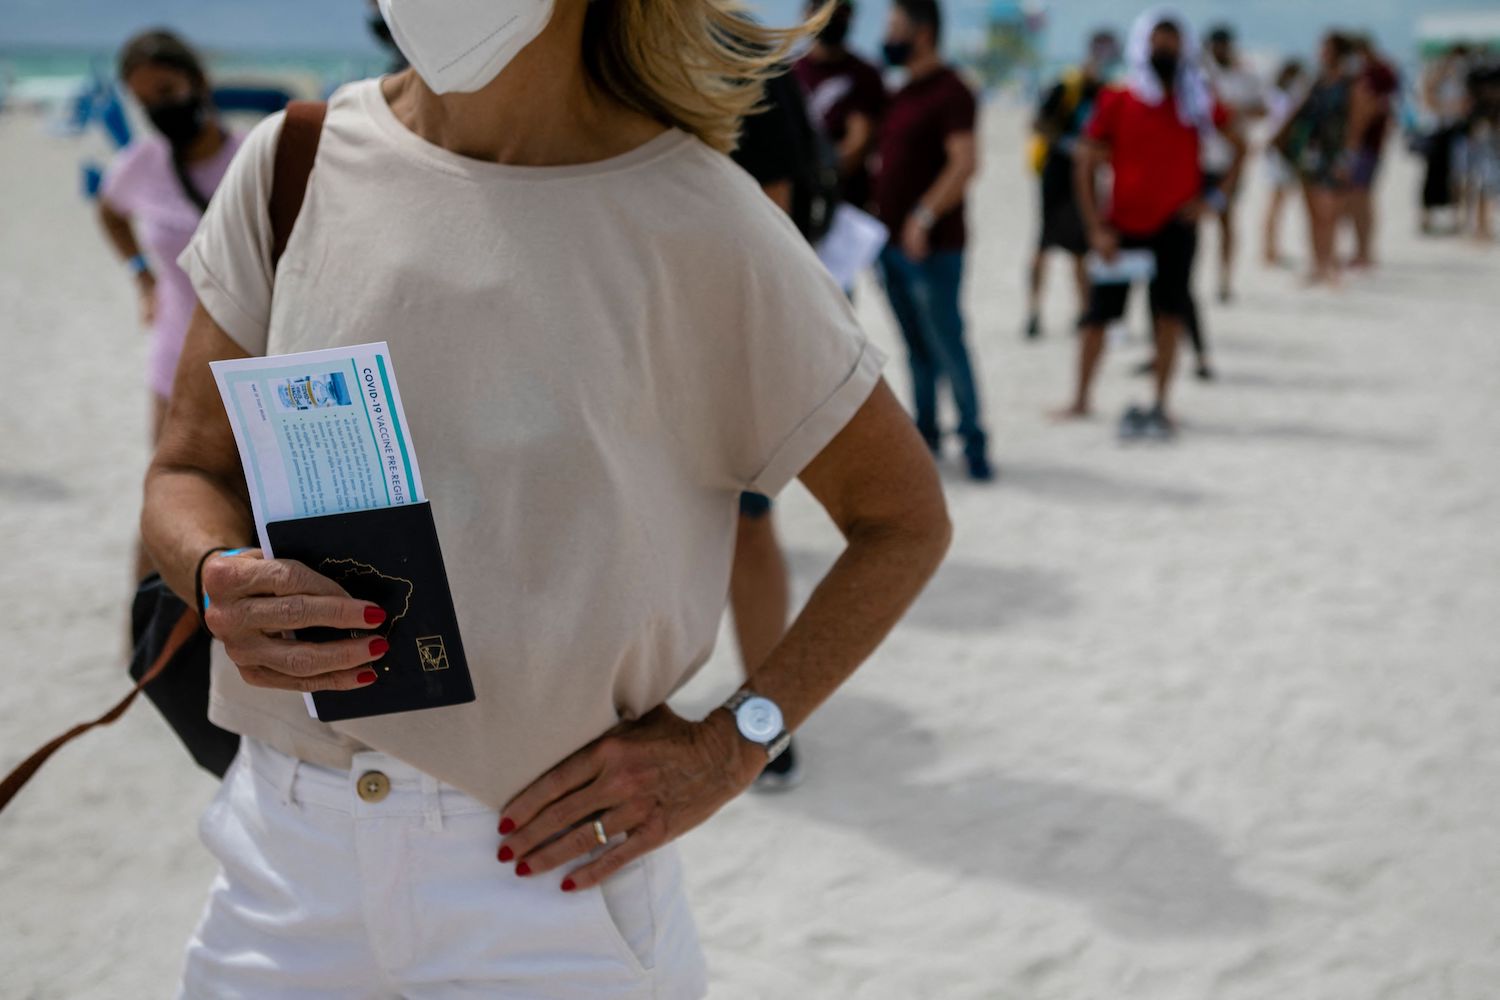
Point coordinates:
[[1168, 119], [1174, 124], [908, 155]]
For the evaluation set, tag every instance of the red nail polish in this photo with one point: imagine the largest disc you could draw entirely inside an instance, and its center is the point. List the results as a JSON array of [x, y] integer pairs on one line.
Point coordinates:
[[378, 646], [374, 615], [523, 869], [506, 853], [569, 885], [506, 825], [366, 677]]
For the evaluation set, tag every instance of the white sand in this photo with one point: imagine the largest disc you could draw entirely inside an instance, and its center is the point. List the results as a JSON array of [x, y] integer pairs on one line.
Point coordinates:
[[1216, 720]]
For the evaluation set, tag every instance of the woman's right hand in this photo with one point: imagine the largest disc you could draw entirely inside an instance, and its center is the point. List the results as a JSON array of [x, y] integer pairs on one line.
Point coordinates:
[[254, 602], [145, 290]]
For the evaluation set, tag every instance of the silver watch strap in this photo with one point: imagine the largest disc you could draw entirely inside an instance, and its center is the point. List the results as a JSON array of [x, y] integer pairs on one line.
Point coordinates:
[[737, 699], [778, 743]]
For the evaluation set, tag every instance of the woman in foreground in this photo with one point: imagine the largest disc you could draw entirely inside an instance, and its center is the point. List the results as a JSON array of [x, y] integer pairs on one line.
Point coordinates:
[[604, 333]]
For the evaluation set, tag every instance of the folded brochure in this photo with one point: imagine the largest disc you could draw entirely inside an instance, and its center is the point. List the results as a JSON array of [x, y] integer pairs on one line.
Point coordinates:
[[334, 483]]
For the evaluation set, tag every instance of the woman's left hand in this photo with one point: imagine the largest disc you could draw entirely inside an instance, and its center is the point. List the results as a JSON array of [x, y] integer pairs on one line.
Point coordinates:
[[652, 779]]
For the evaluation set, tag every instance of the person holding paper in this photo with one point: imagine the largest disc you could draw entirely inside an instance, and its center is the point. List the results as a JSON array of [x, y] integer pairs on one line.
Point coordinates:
[[1149, 131], [928, 157], [533, 219]]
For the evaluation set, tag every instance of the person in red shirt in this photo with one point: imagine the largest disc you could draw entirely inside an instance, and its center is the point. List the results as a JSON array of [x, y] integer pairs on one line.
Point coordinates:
[[1149, 131], [846, 97], [927, 158]]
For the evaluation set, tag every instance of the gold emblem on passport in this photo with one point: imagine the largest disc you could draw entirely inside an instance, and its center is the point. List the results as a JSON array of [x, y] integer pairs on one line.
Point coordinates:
[[434, 655]]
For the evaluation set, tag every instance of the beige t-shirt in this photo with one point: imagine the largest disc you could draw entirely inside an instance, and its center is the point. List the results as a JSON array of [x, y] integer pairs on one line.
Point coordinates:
[[595, 360]]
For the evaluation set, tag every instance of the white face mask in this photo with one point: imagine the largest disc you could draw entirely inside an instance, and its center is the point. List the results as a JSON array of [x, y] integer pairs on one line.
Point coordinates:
[[461, 45]]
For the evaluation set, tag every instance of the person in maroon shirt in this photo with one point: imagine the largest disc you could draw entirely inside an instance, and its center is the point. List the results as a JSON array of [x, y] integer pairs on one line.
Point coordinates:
[[846, 96], [927, 158], [1149, 132]]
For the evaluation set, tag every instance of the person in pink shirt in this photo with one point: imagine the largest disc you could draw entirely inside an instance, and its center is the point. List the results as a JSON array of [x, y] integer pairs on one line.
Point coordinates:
[[155, 193], [157, 188]]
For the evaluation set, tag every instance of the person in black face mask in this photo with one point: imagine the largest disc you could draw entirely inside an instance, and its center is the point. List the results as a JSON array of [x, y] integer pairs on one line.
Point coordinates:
[[1150, 133], [846, 96], [928, 157], [1164, 64], [155, 192]]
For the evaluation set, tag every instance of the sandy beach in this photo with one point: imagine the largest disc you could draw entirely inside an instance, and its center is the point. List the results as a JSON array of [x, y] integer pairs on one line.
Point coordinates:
[[1208, 721]]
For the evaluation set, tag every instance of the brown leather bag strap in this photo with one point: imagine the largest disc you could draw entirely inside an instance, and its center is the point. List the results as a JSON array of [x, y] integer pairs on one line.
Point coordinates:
[[296, 151], [181, 633]]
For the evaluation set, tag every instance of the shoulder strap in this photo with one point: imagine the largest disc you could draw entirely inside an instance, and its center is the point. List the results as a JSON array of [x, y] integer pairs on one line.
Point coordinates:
[[296, 150]]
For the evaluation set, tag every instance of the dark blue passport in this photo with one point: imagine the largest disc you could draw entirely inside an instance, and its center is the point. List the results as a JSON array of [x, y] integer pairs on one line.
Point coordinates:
[[388, 555]]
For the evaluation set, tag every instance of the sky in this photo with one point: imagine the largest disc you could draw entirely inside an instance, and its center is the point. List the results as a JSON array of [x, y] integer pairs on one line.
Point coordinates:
[[339, 25]]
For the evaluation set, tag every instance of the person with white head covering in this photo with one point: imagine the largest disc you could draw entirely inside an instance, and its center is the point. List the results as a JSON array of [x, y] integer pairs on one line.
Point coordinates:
[[1150, 131], [1147, 75]]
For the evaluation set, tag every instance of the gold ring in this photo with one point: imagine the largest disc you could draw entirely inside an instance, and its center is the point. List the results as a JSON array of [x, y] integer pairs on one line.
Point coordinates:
[[599, 833]]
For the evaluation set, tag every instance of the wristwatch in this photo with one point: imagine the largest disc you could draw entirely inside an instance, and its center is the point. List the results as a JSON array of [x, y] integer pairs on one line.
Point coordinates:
[[923, 216], [759, 721]]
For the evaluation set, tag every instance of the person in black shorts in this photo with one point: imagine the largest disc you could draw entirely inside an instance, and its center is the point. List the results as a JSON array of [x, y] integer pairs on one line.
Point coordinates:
[[1149, 132], [1064, 109], [1174, 245], [1192, 321]]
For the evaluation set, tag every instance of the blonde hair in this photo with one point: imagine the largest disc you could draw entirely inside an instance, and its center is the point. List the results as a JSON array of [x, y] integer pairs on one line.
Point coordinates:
[[698, 65]]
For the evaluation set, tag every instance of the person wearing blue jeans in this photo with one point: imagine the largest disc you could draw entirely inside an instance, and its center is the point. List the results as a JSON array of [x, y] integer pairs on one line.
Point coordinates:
[[924, 295], [927, 158]]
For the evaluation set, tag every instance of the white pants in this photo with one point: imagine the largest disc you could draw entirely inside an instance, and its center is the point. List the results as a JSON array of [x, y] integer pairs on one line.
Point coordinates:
[[323, 893]]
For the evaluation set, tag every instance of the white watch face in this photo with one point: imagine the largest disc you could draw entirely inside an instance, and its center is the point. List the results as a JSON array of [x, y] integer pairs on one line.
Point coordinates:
[[759, 720]]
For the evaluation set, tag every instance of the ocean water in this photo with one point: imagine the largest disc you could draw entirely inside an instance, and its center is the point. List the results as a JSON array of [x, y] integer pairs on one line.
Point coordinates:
[[45, 73]]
